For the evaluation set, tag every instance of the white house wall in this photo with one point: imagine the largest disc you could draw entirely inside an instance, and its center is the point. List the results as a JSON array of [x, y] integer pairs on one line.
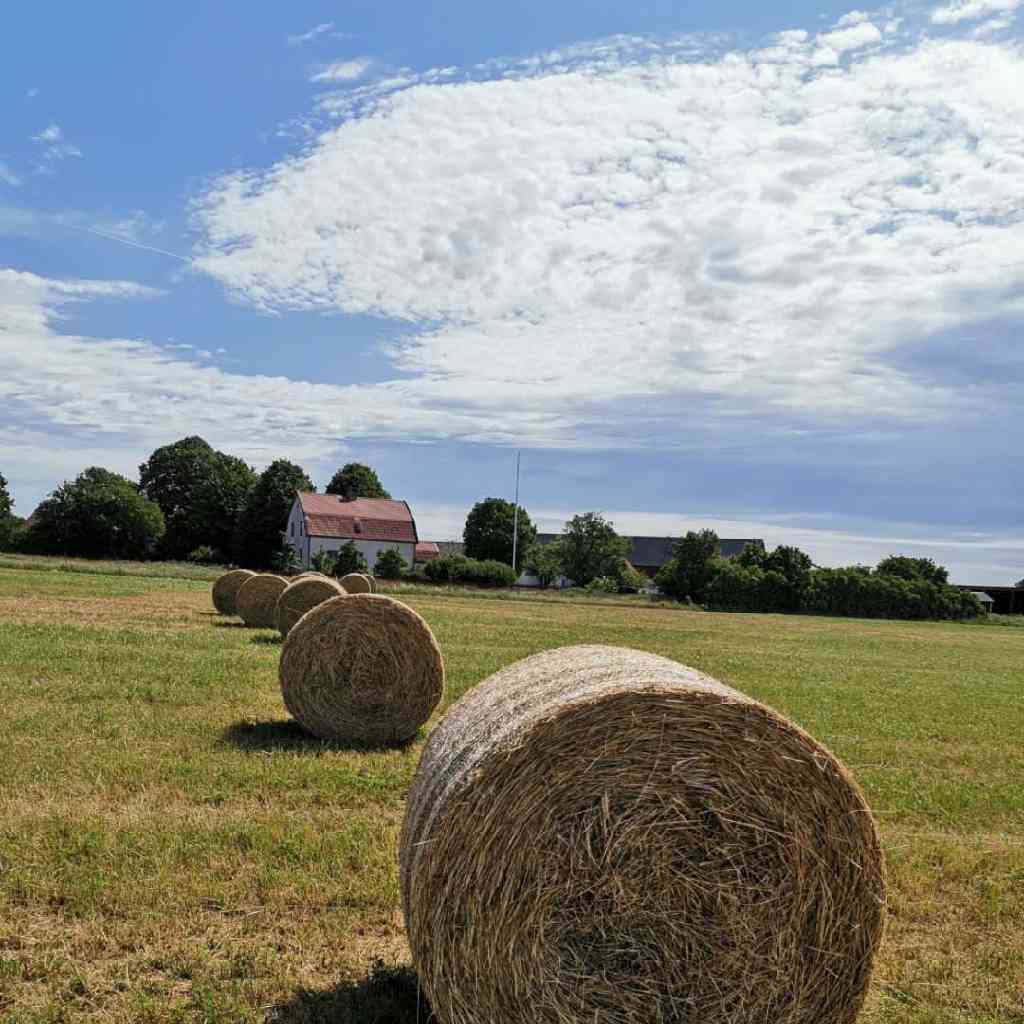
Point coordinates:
[[369, 549]]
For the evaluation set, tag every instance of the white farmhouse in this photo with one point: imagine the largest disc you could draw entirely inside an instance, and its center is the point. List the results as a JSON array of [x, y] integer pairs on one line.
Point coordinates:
[[324, 522]]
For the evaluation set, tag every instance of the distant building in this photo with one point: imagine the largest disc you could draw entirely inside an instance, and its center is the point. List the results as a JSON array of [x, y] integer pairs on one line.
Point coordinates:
[[427, 551], [1001, 599], [325, 522], [649, 554]]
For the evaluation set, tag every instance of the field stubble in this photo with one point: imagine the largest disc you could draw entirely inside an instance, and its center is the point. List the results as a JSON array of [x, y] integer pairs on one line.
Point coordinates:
[[172, 849]]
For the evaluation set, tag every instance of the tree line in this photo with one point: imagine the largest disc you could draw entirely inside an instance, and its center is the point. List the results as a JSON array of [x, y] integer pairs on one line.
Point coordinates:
[[191, 502], [194, 502]]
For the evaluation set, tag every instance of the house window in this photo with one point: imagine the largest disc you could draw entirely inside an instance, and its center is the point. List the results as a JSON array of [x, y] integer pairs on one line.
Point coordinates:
[[293, 529]]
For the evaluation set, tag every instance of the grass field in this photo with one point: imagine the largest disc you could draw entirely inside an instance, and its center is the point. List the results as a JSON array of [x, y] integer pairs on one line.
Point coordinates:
[[172, 849]]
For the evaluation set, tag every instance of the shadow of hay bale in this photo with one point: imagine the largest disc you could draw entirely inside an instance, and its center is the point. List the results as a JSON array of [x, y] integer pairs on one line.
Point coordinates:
[[268, 640], [230, 625], [271, 736], [389, 995]]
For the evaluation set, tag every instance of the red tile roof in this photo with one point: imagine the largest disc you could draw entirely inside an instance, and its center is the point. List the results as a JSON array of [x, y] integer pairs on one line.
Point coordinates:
[[427, 551], [327, 515]]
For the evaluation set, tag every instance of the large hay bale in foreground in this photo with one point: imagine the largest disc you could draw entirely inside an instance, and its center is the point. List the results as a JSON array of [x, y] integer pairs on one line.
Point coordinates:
[[225, 590], [300, 596], [599, 834], [362, 669], [256, 601], [357, 583]]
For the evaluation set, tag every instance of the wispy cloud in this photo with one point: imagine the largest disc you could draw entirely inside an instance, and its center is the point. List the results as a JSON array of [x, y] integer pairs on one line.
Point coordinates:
[[7, 175], [31, 94], [313, 33], [343, 71], [972, 10], [55, 145]]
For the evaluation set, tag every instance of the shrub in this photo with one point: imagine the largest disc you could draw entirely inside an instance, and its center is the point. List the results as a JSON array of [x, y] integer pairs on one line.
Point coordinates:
[[204, 555], [349, 559], [692, 567], [459, 569], [603, 585], [390, 565], [323, 562], [545, 562], [285, 560]]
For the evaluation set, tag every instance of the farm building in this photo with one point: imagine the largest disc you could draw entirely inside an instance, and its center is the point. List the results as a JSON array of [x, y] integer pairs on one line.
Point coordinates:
[[426, 551], [649, 554], [325, 522]]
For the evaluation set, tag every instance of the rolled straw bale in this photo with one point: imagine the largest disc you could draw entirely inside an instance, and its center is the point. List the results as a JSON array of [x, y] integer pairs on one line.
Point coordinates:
[[357, 583], [362, 669], [257, 600], [599, 834], [225, 590], [302, 594]]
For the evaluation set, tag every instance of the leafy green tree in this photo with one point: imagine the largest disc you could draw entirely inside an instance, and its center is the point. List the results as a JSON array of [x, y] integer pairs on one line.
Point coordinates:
[[324, 562], [349, 559], [98, 515], [201, 492], [692, 567], [906, 568], [488, 531], [590, 547], [545, 561], [7, 518], [285, 560], [390, 565], [354, 480], [263, 521]]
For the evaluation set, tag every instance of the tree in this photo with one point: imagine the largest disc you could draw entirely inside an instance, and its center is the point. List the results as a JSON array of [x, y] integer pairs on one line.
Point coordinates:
[[262, 523], [354, 480], [590, 547], [201, 492], [7, 518], [545, 562], [349, 559], [488, 531], [390, 565], [99, 515], [907, 568], [692, 567]]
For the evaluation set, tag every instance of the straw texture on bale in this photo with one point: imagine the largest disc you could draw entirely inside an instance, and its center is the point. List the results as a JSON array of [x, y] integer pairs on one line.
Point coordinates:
[[599, 834], [357, 583], [362, 669], [300, 596], [257, 598], [225, 590]]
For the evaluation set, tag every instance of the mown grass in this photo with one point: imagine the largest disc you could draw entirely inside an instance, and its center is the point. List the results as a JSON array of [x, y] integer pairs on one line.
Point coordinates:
[[172, 849]]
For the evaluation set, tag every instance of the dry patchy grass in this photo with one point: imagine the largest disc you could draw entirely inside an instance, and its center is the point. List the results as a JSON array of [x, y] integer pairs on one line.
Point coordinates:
[[173, 850]]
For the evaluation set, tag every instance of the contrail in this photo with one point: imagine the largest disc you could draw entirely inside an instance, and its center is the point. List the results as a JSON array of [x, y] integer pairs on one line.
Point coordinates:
[[127, 241]]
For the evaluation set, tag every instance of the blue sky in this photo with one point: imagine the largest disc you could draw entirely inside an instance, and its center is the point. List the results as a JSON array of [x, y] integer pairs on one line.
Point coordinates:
[[758, 267]]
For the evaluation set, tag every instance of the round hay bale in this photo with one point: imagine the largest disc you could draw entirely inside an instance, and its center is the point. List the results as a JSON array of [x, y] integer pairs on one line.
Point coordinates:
[[601, 834], [256, 601], [362, 669], [225, 590], [357, 583], [302, 594]]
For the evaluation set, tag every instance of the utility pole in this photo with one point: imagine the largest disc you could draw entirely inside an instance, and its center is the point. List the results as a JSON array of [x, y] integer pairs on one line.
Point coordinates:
[[515, 517]]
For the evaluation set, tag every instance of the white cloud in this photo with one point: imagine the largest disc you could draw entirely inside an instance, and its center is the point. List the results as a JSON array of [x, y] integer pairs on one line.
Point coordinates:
[[7, 176], [853, 37], [313, 33], [31, 94], [56, 146], [742, 230], [971, 10], [343, 71]]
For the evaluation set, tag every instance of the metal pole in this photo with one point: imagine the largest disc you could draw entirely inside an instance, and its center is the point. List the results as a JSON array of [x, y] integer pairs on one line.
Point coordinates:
[[515, 517]]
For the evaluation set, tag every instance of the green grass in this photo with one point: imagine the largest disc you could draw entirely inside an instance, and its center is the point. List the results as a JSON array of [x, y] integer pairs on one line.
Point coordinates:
[[172, 849]]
